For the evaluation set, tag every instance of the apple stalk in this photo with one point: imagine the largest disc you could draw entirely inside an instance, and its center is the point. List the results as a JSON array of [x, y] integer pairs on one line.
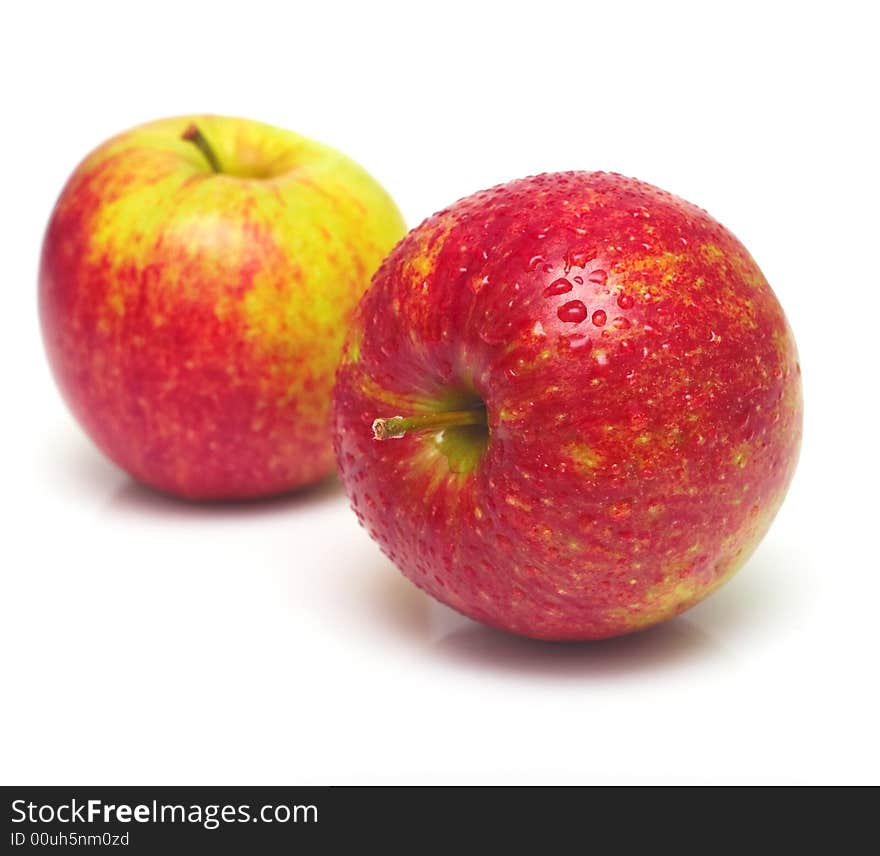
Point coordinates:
[[397, 426], [193, 135]]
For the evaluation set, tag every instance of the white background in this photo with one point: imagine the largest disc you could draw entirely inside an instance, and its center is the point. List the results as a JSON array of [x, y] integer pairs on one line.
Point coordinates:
[[148, 641]]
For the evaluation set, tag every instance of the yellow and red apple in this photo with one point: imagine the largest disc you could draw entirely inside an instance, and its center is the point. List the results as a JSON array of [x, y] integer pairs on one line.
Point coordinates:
[[196, 282], [586, 404]]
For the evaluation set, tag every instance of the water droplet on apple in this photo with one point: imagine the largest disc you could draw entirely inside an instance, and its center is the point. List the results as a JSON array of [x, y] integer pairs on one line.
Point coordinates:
[[598, 277], [576, 258], [578, 342], [599, 317], [558, 286], [535, 262], [574, 312], [620, 323], [624, 301], [578, 279]]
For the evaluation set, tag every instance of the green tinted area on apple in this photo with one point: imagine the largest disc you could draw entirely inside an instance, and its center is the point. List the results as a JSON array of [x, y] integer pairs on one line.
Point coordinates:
[[462, 445]]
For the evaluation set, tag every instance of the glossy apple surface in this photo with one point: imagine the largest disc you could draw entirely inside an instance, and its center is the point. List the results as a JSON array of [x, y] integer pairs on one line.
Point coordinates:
[[193, 311], [603, 399]]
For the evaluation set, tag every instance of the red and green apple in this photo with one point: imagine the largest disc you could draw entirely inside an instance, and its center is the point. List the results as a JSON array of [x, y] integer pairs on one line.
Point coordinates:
[[196, 282], [569, 406]]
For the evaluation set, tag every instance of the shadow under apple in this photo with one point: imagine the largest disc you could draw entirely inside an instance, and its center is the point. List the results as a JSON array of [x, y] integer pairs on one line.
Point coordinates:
[[751, 604], [132, 496], [83, 470], [78, 467]]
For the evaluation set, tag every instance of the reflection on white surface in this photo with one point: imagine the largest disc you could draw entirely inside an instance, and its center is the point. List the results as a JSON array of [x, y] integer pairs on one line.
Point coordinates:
[[742, 608], [130, 497], [280, 623]]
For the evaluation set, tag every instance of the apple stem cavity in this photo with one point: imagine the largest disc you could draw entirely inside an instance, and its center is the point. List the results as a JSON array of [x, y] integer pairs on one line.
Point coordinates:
[[397, 426], [193, 135]]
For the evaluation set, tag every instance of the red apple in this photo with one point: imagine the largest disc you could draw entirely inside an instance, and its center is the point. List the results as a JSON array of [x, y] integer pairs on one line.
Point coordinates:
[[587, 405], [196, 282]]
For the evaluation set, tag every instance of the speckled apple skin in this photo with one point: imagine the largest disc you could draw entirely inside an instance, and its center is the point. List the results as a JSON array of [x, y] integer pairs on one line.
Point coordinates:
[[643, 396], [194, 320]]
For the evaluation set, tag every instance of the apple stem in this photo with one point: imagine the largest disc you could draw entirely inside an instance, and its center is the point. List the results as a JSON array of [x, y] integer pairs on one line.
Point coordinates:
[[397, 426], [193, 135]]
